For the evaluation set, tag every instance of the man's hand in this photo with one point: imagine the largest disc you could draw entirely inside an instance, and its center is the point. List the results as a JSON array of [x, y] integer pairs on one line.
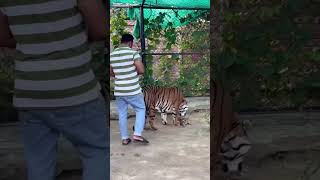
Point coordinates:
[[95, 18], [6, 38]]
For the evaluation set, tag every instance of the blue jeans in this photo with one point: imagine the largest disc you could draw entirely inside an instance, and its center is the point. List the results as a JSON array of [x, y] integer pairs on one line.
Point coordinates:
[[137, 103], [85, 126]]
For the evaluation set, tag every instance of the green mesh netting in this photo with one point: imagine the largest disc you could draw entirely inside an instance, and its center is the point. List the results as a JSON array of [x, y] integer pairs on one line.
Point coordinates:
[[167, 3], [173, 17]]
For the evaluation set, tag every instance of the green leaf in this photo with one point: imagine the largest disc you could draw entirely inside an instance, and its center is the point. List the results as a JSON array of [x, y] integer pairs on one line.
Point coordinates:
[[267, 71], [224, 61]]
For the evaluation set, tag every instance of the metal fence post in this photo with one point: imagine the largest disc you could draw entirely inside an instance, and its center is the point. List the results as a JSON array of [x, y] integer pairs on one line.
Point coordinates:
[[142, 37]]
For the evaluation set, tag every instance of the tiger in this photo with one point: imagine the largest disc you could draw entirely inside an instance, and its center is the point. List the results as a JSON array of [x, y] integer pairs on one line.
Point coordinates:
[[166, 100], [235, 146]]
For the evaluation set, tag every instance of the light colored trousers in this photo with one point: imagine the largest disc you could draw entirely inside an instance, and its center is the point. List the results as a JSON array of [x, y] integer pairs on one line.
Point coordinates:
[[137, 103]]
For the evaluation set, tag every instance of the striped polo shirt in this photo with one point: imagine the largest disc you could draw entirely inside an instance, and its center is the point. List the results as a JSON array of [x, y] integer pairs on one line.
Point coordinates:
[[54, 70], [126, 76]]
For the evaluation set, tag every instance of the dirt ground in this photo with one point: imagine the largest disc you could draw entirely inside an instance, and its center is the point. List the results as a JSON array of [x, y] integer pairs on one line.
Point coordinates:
[[175, 153]]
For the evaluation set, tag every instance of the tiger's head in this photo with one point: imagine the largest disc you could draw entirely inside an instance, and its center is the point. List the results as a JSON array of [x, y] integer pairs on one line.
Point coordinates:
[[233, 153], [234, 148], [183, 108]]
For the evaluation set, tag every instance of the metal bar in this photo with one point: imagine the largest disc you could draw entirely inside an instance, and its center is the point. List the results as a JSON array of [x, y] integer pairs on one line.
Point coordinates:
[[142, 37], [178, 8], [106, 79], [143, 2], [158, 7], [175, 53]]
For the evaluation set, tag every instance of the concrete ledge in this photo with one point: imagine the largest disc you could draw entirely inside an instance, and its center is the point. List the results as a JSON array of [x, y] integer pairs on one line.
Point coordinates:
[[282, 132], [13, 165], [195, 103]]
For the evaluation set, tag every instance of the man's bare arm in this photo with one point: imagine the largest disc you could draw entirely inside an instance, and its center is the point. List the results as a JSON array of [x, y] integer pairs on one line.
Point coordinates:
[[95, 18], [6, 38], [139, 66], [111, 72]]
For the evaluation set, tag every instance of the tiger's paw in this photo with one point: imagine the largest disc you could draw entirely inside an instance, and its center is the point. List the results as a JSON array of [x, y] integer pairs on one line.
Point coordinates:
[[164, 122], [183, 125]]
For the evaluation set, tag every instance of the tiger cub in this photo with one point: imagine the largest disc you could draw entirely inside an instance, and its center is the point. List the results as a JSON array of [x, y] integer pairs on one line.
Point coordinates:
[[234, 148], [166, 100]]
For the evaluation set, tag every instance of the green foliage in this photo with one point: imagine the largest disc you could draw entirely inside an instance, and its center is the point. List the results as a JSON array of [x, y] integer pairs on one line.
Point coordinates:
[[191, 72], [194, 76], [197, 31], [118, 24], [165, 70], [263, 59], [195, 69], [6, 80]]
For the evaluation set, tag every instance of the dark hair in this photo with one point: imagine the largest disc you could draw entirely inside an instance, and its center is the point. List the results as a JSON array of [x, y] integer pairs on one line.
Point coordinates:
[[126, 38]]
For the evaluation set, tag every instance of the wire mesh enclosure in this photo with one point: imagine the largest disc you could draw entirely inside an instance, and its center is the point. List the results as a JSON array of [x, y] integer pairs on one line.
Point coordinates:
[[173, 39]]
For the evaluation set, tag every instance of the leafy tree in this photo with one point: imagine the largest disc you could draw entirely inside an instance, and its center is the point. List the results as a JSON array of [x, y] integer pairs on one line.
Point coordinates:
[[263, 60], [118, 25]]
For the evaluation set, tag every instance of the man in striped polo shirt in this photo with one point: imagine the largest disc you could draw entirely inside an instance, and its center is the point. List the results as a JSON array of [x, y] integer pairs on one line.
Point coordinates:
[[126, 66], [55, 90]]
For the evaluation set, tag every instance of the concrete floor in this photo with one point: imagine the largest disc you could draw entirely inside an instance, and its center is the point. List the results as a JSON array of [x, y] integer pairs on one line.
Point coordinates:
[[175, 153]]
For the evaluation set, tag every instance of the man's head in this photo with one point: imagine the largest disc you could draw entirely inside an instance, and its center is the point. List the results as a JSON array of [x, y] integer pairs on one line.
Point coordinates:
[[127, 39]]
